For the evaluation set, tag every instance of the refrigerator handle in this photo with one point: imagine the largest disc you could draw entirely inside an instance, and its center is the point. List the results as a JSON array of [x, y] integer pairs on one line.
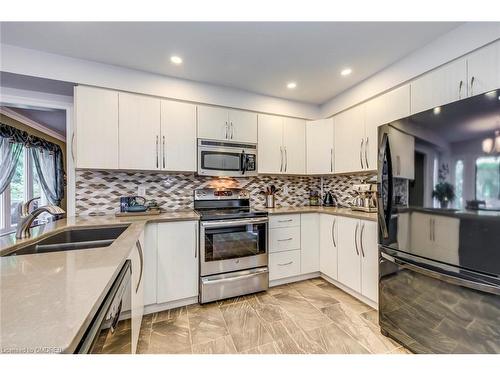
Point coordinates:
[[455, 280], [384, 215]]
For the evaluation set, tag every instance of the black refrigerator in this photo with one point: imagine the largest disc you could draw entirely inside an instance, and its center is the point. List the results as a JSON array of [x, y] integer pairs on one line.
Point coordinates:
[[439, 228]]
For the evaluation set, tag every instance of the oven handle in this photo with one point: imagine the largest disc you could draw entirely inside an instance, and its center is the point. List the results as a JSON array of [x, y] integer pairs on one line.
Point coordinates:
[[459, 281], [251, 274], [232, 223]]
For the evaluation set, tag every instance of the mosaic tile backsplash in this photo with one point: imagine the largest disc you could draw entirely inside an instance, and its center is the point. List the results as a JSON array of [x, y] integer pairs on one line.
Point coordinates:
[[99, 192]]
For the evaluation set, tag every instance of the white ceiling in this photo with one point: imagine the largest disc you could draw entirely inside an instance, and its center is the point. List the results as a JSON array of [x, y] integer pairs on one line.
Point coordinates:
[[253, 56]]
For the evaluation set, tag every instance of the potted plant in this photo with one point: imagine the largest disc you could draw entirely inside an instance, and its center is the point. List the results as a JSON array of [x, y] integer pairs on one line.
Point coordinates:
[[444, 193]]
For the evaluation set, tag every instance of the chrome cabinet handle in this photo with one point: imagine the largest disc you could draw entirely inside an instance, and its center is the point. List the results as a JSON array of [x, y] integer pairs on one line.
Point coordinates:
[[249, 275], [366, 154], [197, 242], [225, 136], [361, 153], [285, 239], [472, 85], [356, 238], [285, 221], [73, 146], [361, 240], [286, 158], [281, 154], [331, 159], [333, 232], [232, 130], [157, 160], [460, 89], [430, 229], [164, 153], [285, 264], [141, 257]]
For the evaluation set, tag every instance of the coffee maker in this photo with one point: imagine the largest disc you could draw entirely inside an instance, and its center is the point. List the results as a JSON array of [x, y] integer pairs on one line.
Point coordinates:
[[366, 197]]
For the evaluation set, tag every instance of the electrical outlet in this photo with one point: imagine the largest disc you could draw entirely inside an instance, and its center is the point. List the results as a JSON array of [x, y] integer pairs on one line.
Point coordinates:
[[141, 191], [285, 189]]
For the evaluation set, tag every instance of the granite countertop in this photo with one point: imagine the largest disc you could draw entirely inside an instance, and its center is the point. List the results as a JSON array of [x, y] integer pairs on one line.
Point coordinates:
[[347, 212], [48, 300]]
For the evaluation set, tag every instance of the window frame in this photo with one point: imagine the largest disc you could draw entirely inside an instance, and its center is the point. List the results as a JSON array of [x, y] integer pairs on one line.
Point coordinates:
[[475, 172]]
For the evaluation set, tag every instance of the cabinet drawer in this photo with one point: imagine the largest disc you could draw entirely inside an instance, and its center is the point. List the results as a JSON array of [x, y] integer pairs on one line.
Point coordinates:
[[282, 239], [281, 221], [284, 264]]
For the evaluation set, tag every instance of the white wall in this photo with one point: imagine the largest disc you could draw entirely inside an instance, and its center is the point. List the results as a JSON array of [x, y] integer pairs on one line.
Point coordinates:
[[450, 46], [46, 65]]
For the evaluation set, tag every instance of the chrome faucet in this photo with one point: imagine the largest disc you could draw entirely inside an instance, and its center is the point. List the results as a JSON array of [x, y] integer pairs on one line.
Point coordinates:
[[24, 225]]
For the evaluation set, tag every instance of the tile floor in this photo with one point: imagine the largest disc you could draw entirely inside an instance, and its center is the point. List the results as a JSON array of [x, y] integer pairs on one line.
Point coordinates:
[[310, 316]]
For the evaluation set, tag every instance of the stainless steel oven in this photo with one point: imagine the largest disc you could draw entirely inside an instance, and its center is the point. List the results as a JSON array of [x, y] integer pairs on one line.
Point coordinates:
[[229, 159]]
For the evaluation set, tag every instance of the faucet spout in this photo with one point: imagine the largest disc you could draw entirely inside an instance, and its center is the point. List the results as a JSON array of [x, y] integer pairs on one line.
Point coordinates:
[[24, 225]]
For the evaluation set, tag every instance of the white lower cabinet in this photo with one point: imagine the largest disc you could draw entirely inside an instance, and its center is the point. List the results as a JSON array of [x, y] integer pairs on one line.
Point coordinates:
[[284, 264], [177, 261], [309, 243], [282, 239], [137, 289], [349, 266], [369, 260], [328, 242]]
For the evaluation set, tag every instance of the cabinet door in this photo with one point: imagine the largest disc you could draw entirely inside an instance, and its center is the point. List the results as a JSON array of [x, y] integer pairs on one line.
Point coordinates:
[[369, 259], [349, 264], [483, 69], [139, 118], [150, 263], [137, 289], [382, 110], [243, 126], [328, 245], [213, 123], [177, 261], [270, 145], [319, 146], [178, 136], [438, 87], [294, 146], [349, 135], [309, 243], [402, 154], [420, 235], [96, 114], [446, 238]]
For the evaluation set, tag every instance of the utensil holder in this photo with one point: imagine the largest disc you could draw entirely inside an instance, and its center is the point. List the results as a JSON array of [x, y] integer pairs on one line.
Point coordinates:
[[270, 201]]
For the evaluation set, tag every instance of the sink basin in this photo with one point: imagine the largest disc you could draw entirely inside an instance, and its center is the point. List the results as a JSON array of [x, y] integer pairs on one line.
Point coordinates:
[[73, 239]]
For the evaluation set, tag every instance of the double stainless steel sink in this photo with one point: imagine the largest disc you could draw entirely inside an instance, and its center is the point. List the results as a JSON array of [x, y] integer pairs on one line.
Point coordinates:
[[73, 239]]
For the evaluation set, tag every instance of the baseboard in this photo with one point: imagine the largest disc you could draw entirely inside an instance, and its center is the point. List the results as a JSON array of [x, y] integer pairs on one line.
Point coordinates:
[[150, 309], [353, 293], [294, 279]]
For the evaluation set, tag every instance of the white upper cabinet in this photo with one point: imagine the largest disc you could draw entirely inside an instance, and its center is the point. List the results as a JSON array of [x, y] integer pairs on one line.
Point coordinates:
[[139, 132], [242, 126], [294, 146], [319, 147], [96, 134], [438, 87], [226, 124], [178, 136], [483, 69], [349, 140], [270, 146], [402, 154], [328, 245]]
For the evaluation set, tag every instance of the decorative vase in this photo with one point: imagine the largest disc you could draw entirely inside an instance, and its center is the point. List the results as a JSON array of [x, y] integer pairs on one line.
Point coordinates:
[[444, 204]]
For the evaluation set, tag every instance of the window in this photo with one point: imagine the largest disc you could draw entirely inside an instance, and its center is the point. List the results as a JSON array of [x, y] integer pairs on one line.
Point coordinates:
[[459, 184], [25, 185], [488, 180]]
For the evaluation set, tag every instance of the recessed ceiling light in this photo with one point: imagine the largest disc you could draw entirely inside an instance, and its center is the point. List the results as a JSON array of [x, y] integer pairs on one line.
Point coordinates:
[[346, 71], [437, 110], [291, 85], [176, 60]]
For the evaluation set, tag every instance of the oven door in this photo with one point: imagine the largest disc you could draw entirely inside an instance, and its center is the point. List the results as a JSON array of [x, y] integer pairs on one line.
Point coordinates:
[[231, 245]]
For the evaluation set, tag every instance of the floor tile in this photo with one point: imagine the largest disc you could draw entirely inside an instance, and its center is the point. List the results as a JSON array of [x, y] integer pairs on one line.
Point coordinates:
[[400, 350], [221, 345], [337, 293], [206, 323], [371, 316], [335, 341], [171, 333], [314, 294], [267, 307], [169, 315]]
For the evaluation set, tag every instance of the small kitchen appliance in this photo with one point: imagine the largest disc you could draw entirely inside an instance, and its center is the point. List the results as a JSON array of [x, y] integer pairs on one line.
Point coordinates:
[[366, 198]]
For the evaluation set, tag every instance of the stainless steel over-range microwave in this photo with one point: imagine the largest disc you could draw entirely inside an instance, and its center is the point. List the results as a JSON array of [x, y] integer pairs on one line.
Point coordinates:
[[216, 158]]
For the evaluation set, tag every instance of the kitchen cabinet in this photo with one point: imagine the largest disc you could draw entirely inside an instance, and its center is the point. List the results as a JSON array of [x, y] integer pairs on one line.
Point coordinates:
[[320, 147], [349, 140], [483, 69], [137, 289], [139, 132], [381, 110], [309, 243], [328, 245], [349, 267], [284, 264], [96, 128], [225, 124], [178, 136], [282, 239], [368, 243], [440, 86], [150, 263], [402, 154], [177, 261], [283, 221], [281, 145]]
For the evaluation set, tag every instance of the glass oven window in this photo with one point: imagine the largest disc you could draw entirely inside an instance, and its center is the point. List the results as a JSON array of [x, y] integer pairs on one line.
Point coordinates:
[[234, 242], [220, 161]]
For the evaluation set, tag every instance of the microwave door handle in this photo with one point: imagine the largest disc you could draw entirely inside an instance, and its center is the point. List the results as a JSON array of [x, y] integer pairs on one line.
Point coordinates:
[[384, 215], [243, 164]]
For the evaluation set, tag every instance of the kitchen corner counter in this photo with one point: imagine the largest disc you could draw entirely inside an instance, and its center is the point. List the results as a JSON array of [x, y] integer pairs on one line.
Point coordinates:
[[48, 300], [347, 212]]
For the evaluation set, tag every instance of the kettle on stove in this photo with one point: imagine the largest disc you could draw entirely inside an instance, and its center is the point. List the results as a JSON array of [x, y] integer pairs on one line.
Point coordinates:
[[329, 199]]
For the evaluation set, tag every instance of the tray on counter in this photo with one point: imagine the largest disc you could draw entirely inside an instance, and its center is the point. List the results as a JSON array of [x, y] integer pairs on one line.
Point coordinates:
[[155, 211]]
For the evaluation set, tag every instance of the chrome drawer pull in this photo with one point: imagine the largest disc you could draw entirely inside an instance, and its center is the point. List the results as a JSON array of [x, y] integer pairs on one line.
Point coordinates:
[[285, 221], [286, 239], [285, 264]]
